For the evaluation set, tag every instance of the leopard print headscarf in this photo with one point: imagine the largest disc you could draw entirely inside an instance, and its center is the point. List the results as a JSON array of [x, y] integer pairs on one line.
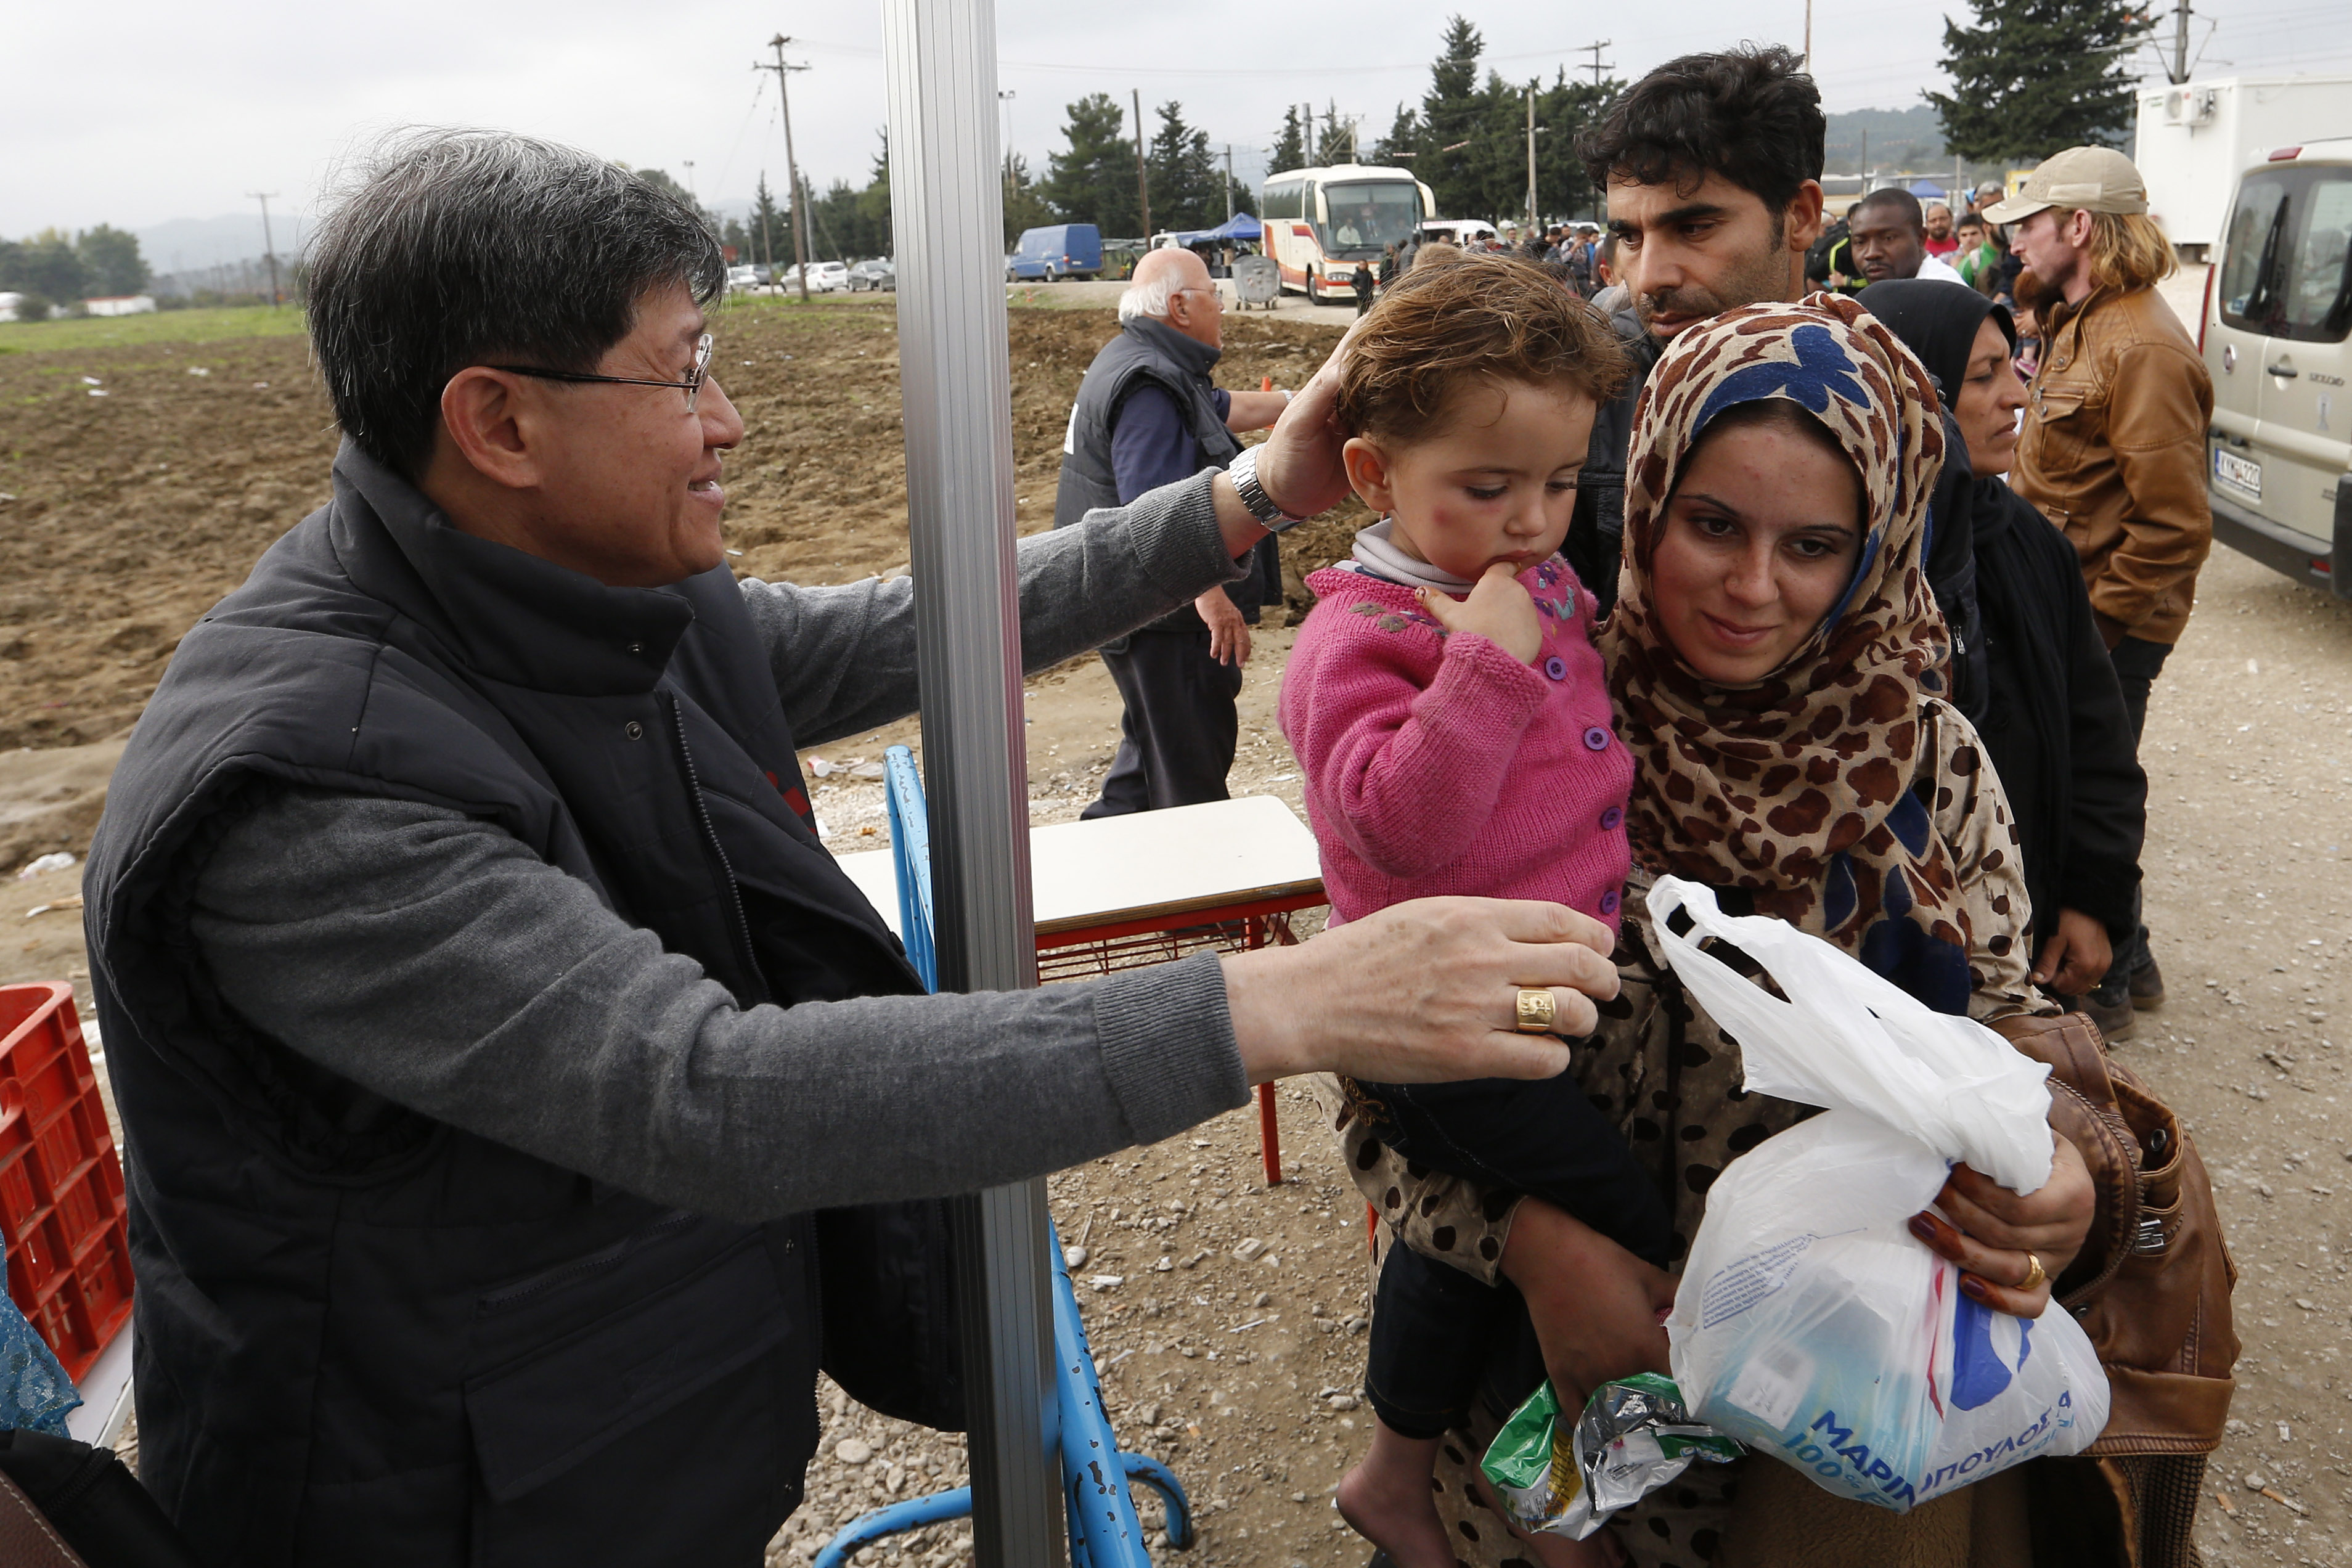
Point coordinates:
[[1798, 787]]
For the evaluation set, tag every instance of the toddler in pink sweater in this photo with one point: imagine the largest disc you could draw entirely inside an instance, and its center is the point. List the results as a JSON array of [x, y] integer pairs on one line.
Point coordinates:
[[1452, 718]]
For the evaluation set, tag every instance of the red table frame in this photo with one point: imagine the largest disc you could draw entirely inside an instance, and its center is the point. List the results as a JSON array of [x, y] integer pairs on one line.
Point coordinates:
[[1078, 950]]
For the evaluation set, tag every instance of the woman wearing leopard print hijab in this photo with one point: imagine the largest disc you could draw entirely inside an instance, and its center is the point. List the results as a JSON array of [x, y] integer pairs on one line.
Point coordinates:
[[1776, 658]]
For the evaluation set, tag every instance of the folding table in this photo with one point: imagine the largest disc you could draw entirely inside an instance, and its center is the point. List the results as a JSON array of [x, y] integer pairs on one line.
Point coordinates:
[[1118, 892]]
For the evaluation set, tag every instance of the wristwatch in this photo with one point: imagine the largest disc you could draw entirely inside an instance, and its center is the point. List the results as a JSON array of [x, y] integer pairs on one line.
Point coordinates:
[[1243, 471]]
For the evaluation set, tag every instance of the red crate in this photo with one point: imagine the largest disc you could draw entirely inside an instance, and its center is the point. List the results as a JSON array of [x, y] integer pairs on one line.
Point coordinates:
[[61, 1208]]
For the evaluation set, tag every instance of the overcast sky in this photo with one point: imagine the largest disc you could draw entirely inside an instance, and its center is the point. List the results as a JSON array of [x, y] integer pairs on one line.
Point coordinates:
[[156, 110]]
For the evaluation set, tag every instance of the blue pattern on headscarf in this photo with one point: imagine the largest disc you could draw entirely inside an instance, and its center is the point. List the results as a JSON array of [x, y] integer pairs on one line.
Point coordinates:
[[1822, 371], [1909, 822], [1838, 895], [1934, 971]]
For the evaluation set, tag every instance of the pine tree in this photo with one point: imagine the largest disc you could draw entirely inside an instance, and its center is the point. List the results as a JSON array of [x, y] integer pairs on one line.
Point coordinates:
[[1289, 144], [1093, 180], [1451, 112], [1024, 207], [1402, 144], [2036, 77], [769, 227], [1188, 187]]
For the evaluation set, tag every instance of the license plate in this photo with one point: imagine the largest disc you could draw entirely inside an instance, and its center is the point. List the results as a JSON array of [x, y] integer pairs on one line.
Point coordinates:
[[2240, 474]]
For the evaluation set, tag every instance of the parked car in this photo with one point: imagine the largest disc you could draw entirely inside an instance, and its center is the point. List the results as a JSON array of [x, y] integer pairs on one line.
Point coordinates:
[[1057, 251], [2277, 312], [880, 273], [742, 278], [823, 277]]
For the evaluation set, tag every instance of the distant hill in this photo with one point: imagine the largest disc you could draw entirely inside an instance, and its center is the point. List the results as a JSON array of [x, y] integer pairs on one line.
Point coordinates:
[[192, 244], [1898, 139]]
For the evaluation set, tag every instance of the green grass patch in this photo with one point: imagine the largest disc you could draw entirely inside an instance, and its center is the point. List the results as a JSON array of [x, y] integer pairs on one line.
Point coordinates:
[[213, 326]]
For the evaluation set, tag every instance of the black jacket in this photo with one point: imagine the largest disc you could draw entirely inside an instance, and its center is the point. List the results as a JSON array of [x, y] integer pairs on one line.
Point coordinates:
[[369, 1337], [2056, 727], [1153, 352], [2055, 723]]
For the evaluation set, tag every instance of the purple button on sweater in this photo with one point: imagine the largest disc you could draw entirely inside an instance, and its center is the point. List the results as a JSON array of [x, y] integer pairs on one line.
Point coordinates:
[[1441, 764]]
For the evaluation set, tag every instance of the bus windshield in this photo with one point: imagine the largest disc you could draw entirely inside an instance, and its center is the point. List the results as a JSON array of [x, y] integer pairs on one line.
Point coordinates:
[[1367, 215]]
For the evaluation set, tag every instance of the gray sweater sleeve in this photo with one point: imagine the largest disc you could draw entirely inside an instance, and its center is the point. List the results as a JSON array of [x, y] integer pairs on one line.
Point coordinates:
[[844, 658], [431, 958]]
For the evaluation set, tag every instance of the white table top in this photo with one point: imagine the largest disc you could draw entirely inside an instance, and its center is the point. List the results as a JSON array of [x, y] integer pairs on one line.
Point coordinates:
[[1150, 863]]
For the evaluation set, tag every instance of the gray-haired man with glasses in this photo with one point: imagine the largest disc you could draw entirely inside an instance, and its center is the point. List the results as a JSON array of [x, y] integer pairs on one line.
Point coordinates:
[[521, 1105]]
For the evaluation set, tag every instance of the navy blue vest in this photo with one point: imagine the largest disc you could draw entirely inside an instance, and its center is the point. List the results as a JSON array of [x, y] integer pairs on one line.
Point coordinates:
[[369, 1337]]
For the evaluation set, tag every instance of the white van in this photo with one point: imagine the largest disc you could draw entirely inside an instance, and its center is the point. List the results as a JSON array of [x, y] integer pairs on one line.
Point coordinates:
[[2277, 312]]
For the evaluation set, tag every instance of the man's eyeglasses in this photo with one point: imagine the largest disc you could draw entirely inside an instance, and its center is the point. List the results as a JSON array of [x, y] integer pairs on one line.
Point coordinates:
[[691, 386]]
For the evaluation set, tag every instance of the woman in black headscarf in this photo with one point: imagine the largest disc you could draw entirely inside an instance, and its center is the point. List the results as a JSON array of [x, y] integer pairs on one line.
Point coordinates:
[[2055, 724]]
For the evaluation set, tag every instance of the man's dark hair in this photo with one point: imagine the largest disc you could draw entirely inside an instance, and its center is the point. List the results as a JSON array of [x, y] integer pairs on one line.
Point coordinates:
[[1748, 114], [454, 247], [1901, 202]]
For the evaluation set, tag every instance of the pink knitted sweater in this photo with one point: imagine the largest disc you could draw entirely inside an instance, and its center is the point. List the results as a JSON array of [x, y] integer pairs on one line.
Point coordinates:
[[1439, 764]]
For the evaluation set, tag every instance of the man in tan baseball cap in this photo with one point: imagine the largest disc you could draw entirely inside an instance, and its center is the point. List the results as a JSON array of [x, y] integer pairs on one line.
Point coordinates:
[[2085, 179], [2113, 445]]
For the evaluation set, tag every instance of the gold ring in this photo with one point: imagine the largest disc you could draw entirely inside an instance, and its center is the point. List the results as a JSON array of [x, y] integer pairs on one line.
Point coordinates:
[[1537, 1011], [2034, 1276]]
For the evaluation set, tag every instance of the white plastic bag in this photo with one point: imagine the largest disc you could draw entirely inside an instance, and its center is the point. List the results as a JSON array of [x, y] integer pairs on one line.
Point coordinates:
[[1811, 1324]]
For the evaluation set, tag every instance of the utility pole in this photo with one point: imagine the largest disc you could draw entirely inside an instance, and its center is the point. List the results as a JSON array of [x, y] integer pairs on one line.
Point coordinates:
[[690, 193], [1142, 185], [1809, 36], [1597, 65], [2178, 71], [268, 246], [1229, 182], [1531, 157], [767, 235], [1005, 96], [792, 165]]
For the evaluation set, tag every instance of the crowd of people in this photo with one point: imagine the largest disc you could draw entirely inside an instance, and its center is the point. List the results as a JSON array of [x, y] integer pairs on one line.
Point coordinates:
[[1699, 521], [523, 1107]]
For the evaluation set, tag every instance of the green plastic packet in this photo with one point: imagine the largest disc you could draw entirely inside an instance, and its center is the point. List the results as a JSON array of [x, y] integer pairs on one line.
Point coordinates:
[[1634, 1437]]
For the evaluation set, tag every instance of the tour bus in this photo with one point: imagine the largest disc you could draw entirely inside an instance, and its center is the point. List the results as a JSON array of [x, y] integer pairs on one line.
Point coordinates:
[[1320, 222]]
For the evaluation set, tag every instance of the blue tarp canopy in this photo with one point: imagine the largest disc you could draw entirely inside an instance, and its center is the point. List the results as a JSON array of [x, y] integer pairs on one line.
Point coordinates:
[[1240, 226], [1927, 190]]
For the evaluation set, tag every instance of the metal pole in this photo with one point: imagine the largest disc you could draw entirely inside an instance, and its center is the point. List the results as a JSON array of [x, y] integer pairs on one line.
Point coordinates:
[[268, 246], [948, 208], [792, 165], [1229, 182], [1142, 182], [1531, 157], [2179, 72]]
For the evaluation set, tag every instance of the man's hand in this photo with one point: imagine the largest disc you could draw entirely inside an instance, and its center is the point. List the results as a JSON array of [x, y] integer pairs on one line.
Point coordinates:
[[1599, 1312], [1422, 991], [1229, 634], [1299, 465], [2076, 957], [1499, 609]]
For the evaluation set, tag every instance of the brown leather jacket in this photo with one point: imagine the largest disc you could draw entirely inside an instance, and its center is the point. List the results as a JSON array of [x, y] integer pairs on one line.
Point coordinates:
[[2113, 451]]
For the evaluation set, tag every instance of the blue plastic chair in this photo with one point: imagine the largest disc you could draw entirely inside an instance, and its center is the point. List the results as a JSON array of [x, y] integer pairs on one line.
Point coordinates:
[[1104, 1531]]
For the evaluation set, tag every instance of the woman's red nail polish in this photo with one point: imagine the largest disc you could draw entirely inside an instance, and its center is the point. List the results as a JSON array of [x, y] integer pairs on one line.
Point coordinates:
[[1923, 1228], [1972, 1288]]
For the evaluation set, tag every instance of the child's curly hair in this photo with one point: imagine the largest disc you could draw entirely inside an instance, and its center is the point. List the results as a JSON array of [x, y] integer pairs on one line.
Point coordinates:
[[1479, 319]]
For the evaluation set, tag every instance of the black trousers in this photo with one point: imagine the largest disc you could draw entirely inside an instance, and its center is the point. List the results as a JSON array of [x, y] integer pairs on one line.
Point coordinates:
[[1178, 733], [1442, 1343], [1434, 1329], [2137, 664]]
